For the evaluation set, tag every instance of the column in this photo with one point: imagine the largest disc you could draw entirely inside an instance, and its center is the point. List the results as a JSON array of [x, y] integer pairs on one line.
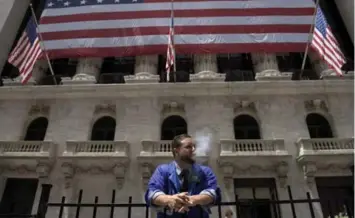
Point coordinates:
[[39, 71], [266, 68], [146, 70], [87, 71], [205, 66]]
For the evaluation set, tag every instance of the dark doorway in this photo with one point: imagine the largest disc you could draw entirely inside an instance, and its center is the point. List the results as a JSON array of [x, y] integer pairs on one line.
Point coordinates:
[[254, 195], [18, 197], [246, 127], [336, 195], [37, 129], [318, 126], [173, 126], [104, 129]]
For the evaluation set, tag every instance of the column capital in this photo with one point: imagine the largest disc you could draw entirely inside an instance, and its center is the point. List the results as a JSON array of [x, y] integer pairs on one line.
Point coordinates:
[[266, 67], [146, 70], [206, 68]]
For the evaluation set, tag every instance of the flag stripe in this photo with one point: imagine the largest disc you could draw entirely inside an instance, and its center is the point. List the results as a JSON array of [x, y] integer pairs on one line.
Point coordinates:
[[179, 49], [203, 5], [144, 31], [179, 14], [134, 25]]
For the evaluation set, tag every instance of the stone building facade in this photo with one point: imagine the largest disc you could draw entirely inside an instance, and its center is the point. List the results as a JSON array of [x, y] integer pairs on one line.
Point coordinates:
[[271, 127]]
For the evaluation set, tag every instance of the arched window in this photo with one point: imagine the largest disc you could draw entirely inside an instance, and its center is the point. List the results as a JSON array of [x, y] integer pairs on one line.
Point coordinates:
[[318, 126], [37, 129], [104, 129], [246, 127], [172, 126]]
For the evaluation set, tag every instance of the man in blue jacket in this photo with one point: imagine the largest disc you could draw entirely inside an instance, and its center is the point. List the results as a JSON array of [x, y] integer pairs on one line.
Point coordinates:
[[183, 188]]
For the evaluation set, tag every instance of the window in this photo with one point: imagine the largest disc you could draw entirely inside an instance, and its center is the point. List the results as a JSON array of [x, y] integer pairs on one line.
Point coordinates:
[[262, 190], [104, 129], [115, 68], [173, 126], [37, 129], [237, 67], [18, 197], [246, 127], [292, 62], [318, 126], [336, 195]]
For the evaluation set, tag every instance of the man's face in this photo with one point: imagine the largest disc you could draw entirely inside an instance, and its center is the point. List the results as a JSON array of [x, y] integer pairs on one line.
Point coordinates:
[[186, 151]]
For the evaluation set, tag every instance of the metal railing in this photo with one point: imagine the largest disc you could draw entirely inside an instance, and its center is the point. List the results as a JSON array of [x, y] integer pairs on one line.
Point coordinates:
[[44, 205]]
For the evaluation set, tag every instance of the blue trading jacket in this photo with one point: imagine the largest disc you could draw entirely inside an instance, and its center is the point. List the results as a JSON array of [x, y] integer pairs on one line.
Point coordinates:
[[165, 179]]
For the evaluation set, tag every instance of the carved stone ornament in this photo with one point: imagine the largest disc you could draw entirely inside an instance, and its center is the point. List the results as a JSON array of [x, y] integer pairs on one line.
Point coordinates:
[[147, 170], [316, 104], [173, 107], [68, 170], [119, 171], [142, 77], [105, 109], [207, 76], [39, 109], [309, 171], [43, 170], [282, 171], [244, 106]]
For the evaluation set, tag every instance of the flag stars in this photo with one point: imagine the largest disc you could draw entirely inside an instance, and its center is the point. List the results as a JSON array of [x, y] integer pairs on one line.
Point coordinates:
[[83, 2], [50, 4], [117, 1], [100, 1], [66, 3]]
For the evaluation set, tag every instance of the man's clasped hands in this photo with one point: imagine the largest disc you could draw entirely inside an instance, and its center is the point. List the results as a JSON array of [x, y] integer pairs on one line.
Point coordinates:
[[180, 202]]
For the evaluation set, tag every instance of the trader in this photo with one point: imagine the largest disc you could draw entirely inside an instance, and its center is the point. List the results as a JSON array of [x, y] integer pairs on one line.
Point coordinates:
[[183, 188]]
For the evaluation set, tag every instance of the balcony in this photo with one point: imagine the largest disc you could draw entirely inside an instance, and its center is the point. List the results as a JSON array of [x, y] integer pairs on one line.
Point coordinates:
[[254, 156], [32, 156], [324, 154], [95, 156]]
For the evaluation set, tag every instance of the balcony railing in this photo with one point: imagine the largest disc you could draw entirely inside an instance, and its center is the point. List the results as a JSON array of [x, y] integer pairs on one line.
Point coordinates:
[[96, 148], [253, 147], [26, 149], [157, 148], [326, 146]]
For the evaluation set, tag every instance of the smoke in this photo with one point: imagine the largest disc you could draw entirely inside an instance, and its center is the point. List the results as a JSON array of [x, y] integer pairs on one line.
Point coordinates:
[[203, 140]]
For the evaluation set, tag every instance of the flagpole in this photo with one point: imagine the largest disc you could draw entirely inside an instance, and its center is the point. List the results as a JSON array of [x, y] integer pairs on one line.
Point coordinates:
[[310, 38], [172, 17], [42, 44]]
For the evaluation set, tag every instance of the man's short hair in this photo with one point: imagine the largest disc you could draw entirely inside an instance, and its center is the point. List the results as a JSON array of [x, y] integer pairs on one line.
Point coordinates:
[[177, 141]]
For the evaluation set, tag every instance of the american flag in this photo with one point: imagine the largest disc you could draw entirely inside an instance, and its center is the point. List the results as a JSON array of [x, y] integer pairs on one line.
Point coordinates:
[[326, 45], [103, 28], [170, 53], [26, 51]]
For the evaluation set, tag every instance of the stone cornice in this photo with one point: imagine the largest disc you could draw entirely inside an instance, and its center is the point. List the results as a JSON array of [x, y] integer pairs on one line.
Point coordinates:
[[193, 89]]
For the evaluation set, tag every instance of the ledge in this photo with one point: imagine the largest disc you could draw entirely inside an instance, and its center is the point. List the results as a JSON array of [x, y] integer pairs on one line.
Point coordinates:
[[304, 87]]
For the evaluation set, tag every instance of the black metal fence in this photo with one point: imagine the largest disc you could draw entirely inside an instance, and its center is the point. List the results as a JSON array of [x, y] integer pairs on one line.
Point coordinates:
[[239, 205]]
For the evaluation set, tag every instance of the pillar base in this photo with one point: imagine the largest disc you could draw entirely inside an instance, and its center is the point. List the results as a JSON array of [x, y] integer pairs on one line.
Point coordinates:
[[331, 75], [17, 82], [79, 79], [207, 76], [143, 77], [271, 75]]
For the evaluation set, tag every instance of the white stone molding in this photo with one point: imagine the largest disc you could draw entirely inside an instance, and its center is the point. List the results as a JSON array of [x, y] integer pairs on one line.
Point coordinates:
[[87, 71], [266, 67], [147, 171], [309, 172], [119, 171], [146, 70], [205, 67], [282, 170], [244, 106], [205, 89], [328, 154], [172, 108], [105, 109]]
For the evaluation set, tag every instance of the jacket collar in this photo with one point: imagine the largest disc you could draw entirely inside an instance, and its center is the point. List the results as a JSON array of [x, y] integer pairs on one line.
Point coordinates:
[[194, 178]]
